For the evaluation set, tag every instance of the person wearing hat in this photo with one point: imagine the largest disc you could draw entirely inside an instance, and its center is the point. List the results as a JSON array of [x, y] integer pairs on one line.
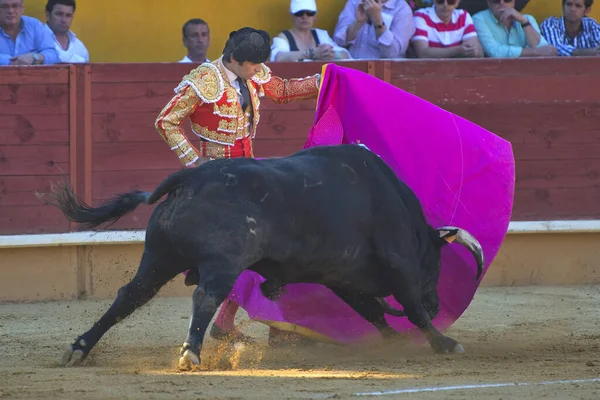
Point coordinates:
[[302, 41]]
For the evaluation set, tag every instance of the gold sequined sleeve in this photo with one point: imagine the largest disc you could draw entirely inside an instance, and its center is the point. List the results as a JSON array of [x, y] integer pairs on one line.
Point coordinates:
[[287, 90], [168, 124]]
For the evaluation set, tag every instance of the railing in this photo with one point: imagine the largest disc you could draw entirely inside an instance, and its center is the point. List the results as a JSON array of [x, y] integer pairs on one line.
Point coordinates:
[[95, 124]]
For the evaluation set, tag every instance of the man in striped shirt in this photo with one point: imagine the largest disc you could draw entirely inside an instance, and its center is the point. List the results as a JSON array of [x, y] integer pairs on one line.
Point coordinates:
[[573, 34], [442, 31]]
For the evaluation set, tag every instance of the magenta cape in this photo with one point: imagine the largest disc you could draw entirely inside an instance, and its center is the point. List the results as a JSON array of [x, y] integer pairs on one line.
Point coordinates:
[[463, 174]]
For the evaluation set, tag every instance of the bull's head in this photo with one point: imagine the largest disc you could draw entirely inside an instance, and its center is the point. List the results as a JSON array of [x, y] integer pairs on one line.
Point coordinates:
[[441, 237], [431, 267]]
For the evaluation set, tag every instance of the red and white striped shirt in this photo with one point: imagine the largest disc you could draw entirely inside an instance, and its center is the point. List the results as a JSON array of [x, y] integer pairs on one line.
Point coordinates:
[[429, 27]]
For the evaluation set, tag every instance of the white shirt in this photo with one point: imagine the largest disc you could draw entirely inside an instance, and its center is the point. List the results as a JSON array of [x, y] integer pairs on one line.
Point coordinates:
[[232, 80], [186, 59], [282, 45], [75, 53]]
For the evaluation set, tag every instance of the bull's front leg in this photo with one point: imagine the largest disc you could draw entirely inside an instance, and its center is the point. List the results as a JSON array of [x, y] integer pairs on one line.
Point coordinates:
[[418, 315], [213, 287]]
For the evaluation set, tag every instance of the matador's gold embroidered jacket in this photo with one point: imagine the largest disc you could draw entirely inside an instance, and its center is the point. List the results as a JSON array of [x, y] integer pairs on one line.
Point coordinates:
[[206, 96]]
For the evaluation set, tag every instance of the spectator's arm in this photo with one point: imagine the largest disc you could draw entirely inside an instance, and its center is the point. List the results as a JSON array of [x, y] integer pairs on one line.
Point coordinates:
[[550, 33], [393, 42], [280, 50], [346, 28], [5, 59], [532, 32], [324, 38], [45, 45]]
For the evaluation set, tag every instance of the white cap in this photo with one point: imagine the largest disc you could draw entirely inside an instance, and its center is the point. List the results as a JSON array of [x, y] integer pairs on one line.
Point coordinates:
[[300, 5]]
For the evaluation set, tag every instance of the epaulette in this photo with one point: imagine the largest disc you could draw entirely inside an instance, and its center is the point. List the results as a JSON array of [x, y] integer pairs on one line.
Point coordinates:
[[206, 82], [263, 76]]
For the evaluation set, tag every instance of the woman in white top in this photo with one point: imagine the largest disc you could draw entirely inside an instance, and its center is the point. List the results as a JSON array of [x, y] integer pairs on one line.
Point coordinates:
[[303, 42]]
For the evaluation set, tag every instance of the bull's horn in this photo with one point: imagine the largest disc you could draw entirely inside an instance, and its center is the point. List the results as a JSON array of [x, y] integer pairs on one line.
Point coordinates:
[[454, 234]]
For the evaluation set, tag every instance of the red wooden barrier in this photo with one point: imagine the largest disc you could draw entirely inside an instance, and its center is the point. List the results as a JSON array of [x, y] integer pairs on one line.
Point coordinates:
[[95, 124]]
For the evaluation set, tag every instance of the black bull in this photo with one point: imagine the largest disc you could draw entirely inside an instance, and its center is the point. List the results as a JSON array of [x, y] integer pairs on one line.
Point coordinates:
[[333, 215]]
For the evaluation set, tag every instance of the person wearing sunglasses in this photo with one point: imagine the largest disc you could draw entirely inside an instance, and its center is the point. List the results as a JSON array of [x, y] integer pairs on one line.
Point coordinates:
[[375, 29], [302, 41], [474, 6], [506, 33], [573, 34], [443, 31]]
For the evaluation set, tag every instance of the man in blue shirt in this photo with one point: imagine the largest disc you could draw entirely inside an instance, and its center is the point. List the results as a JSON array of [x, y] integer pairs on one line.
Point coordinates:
[[23, 40], [504, 32], [574, 34]]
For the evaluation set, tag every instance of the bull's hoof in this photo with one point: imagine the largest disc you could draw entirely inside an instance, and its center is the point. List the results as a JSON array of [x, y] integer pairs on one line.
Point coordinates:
[[72, 357], [189, 361], [446, 345]]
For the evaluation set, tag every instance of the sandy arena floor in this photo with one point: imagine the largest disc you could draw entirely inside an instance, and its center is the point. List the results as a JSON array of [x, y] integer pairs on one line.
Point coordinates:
[[511, 335]]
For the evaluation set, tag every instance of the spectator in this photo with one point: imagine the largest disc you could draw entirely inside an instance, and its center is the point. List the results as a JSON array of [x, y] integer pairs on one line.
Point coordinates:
[[23, 40], [196, 38], [474, 6], [375, 28], [442, 31], [504, 32], [59, 17], [303, 42], [574, 34]]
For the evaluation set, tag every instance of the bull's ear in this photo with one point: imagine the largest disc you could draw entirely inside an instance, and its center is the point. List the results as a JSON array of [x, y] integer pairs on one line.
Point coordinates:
[[448, 234]]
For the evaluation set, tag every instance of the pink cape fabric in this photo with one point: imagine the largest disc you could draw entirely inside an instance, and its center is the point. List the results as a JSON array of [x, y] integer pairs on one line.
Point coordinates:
[[463, 174]]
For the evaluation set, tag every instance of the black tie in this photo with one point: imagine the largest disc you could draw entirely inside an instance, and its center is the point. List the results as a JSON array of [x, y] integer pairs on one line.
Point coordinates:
[[245, 93]]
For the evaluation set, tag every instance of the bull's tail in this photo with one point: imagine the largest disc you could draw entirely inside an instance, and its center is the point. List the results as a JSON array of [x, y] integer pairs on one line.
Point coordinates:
[[76, 210]]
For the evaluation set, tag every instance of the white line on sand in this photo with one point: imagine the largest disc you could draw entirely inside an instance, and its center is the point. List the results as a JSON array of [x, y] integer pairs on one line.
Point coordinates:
[[477, 386]]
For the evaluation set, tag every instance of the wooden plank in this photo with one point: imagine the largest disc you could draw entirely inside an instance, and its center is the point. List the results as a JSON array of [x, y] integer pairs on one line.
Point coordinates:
[[536, 123], [139, 72], [108, 183], [22, 219], [153, 156], [564, 152], [547, 174], [173, 72], [277, 147], [40, 74], [33, 129], [507, 90], [73, 154], [556, 204], [84, 97], [488, 67], [20, 190], [285, 124], [26, 135], [34, 99], [126, 127], [34, 160], [305, 105], [128, 156], [131, 97], [139, 127]]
